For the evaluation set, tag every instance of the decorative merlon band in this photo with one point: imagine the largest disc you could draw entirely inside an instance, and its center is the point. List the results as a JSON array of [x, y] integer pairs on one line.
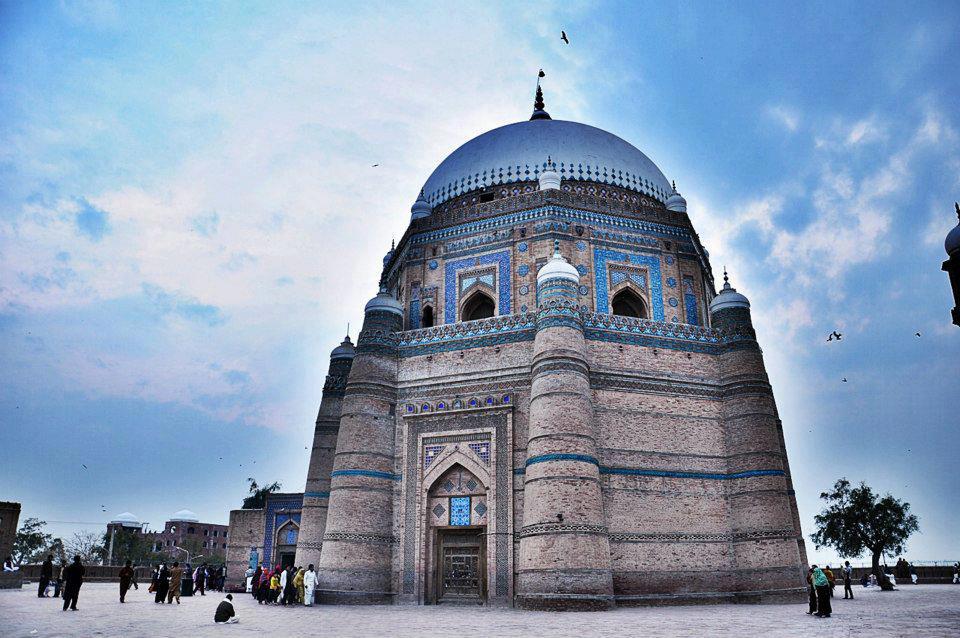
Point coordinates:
[[468, 329], [696, 537], [369, 473], [316, 494], [540, 529], [377, 539], [543, 458], [629, 471]]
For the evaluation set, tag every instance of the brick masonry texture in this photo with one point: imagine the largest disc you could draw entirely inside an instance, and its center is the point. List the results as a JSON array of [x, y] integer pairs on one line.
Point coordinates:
[[630, 461]]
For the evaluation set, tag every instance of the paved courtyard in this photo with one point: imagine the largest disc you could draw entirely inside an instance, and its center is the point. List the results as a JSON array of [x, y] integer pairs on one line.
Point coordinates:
[[919, 610]]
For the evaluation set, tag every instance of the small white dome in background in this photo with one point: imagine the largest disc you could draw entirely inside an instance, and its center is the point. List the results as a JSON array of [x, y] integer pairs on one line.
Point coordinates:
[[421, 208], [728, 297], [127, 520], [185, 516], [385, 302], [549, 179], [952, 243], [676, 202], [557, 268]]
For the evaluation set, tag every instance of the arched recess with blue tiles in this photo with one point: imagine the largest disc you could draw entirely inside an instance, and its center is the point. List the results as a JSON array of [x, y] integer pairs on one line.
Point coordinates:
[[452, 282], [605, 262], [455, 528]]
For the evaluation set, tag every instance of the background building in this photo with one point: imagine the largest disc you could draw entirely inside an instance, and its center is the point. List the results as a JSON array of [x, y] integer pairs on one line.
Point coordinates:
[[183, 530]]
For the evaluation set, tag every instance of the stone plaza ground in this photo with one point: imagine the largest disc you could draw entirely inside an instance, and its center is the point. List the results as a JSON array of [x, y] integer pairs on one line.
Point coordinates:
[[915, 611]]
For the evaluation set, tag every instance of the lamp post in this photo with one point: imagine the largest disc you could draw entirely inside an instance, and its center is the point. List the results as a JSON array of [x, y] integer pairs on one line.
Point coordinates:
[[952, 264]]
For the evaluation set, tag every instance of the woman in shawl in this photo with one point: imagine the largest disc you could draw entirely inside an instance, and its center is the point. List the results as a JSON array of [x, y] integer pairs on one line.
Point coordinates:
[[255, 583], [298, 583]]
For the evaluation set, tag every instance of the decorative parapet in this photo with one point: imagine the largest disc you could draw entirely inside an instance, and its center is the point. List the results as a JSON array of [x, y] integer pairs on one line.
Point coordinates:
[[597, 326]]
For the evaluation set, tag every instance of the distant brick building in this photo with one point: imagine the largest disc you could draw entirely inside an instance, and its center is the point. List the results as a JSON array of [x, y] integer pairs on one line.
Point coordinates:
[[549, 404], [183, 530], [9, 519]]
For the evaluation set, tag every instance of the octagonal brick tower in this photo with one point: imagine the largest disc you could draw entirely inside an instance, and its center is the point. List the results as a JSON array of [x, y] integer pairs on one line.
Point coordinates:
[[550, 406]]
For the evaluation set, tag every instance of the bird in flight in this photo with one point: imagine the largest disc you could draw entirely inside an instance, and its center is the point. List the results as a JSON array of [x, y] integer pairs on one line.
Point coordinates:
[[84, 466], [835, 335], [918, 334], [844, 379], [563, 36], [375, 165]]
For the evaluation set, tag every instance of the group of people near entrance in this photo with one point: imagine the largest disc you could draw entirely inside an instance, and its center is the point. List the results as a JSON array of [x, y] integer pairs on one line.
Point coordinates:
[[821, 582], [284, 586], [165, 583], [67, 584]]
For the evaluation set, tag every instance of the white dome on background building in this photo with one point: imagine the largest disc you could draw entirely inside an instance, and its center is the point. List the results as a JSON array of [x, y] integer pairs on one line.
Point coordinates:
[[185, 516], [127, 520]]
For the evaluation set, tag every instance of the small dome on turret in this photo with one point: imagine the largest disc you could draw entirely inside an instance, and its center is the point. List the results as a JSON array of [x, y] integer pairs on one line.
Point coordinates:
[[126, 520], [389, 255], [384, 302], [557, 268], [952, 243], [728, 297], [344, 350], [676, 202], [549, 179], [421, 208]]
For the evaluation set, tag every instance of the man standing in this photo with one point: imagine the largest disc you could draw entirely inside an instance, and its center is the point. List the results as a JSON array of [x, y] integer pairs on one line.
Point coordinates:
[[309, 584], [284, 577], [73, 579], [163, 584], [46, 573], [175, 575], [847, 577], [126, 575]]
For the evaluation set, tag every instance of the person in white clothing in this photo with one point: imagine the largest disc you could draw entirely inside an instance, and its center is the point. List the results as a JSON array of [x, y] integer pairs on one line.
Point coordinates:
[[283, 586], [309, 585]]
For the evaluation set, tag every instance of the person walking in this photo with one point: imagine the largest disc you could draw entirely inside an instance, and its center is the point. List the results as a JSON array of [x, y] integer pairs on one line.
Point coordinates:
[[175, 575], [73, 579], [822, 584], [255, 581], [290, 591], [309, 584], [811, 593], [199, 579], [163, 584], [275, 586], [126, 575], [847, 578], [58, 585], [298, 585], [46, 573], [263, 593]]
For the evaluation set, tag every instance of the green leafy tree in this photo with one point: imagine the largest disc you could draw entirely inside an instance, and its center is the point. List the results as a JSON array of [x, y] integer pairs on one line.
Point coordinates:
[[258, 495], [856, 520], [58, 551], [30, 541], [130, 544]]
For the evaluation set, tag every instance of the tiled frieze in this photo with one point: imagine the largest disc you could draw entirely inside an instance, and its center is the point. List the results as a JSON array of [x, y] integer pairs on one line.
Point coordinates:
[[451, 268], [604, 256]]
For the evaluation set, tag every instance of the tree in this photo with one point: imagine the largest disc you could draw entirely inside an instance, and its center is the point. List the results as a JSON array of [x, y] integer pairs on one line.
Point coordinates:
[[856, 520], [132, 545], [88, 546], [30, 541], [258, 495], [57, 550]]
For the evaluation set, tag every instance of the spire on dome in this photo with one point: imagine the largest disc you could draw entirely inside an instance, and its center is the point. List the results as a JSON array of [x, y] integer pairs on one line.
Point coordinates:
[[538, 105]]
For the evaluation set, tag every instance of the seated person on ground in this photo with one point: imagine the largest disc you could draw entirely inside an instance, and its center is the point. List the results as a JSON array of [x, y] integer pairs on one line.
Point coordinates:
[[225, 614]]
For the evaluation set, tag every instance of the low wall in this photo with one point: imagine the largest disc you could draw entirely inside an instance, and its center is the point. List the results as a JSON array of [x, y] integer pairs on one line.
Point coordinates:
[[93, 574], [926, 575], [11, 580]]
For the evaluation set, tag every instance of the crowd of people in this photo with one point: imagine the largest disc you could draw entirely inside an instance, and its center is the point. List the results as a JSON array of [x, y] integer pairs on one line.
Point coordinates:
[[166, 583], [284, 586]]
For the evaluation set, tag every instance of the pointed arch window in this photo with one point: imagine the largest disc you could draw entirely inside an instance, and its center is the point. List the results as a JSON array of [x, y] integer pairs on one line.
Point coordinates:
[[427, 320], [478, 306], [627, 303]]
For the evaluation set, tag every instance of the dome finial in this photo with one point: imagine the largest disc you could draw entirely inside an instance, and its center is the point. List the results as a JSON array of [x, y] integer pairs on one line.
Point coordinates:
[[726, 279], [556, 247], [538, 105]]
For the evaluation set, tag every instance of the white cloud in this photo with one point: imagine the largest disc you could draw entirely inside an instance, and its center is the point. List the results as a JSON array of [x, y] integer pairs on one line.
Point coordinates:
[[786, 116]]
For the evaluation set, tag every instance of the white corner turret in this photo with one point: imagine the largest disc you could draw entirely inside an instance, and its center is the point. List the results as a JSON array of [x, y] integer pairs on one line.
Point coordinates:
[[549, 179], [557, 268], [421, 208], [676, 202], [728, 297]]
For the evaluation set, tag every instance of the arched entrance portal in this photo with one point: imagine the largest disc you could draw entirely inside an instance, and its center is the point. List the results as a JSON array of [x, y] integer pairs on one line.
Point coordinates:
[[457, 511]]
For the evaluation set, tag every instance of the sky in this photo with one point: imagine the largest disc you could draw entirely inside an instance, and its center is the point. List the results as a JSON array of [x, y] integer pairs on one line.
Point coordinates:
[[190, 217]]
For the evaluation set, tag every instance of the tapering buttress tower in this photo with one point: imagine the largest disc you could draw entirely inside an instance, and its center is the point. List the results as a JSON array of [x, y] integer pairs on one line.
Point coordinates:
[[564, 545], [316, 495], [355, 563]]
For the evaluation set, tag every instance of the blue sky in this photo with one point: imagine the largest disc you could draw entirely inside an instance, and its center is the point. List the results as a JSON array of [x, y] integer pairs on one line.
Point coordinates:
[[189, 218]]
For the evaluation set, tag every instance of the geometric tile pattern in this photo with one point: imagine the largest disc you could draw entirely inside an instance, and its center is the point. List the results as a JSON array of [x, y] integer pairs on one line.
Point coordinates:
[[690, 301], [430, 452], [601, 256], [501, 259], [460, 510], [482, 450]]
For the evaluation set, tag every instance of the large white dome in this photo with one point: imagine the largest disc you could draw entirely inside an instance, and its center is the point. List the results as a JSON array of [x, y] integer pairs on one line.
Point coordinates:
[[518, 152]]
